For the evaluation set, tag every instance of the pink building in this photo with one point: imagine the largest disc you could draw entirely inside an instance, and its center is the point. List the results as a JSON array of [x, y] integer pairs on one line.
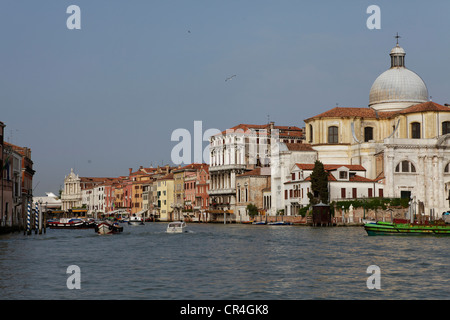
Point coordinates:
[[196, 186]]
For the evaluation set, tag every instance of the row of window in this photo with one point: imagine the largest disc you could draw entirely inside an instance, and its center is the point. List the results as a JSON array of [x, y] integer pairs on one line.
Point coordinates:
[[299, 193], [407, 166], [333, 132]]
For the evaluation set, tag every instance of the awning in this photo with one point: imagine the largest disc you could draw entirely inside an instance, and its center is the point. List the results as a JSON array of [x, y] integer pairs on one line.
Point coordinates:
[[79, 210]]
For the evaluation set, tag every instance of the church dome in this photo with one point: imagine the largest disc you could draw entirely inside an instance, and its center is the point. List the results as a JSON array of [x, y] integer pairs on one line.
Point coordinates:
[[398, 87]]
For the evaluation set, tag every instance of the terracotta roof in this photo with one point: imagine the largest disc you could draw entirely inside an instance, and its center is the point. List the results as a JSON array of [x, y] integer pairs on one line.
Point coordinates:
[[284, 130], [339, 112], [254, 172], [192, 166], [331, 167], [298, 146], [357, 178], [167, 177], [424, 107], [354, 178]]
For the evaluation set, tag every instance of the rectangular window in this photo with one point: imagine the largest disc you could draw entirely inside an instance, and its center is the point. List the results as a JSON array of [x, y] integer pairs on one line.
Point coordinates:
[[343, 193], [445, 127], [342, 174], [415, 130], [333, 134], [354, 193], [368, 134]]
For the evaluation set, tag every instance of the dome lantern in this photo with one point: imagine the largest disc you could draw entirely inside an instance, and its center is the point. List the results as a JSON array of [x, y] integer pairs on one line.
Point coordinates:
[[397, 88]]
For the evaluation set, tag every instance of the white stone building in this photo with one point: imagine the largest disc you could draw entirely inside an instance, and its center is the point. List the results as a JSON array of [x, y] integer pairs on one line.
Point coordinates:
[[88, 191], [345, 182], [401, 138], [237, 150]]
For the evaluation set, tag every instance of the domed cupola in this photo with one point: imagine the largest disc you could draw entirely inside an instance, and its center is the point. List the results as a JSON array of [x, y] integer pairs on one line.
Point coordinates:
[[397, 88]]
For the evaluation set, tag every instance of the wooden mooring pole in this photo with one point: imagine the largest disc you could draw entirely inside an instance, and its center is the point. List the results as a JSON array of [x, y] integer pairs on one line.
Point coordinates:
[[29, 219], [36, 218]]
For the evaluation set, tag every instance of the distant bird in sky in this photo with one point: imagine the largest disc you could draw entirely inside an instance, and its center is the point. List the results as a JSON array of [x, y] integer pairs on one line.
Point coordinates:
[[229, 78]]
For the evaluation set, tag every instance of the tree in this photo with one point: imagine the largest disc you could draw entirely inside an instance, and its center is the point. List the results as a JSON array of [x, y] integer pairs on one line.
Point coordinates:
[[252, 210], [319, 184]]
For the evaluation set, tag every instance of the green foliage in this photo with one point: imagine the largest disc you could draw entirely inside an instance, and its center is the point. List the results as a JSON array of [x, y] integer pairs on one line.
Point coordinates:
[[252, 210], [303, 211], [319, 185], [372, 203]]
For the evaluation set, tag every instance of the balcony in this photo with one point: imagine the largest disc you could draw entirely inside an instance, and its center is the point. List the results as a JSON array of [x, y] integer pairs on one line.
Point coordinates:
[[222, 191], [227, 167]]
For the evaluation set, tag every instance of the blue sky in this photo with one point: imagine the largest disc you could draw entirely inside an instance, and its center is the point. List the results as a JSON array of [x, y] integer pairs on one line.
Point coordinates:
[[108, 97]]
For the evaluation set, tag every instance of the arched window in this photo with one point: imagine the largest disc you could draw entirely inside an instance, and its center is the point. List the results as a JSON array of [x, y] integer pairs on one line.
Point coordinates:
[[447, 168], [405, 166], [368, 134], [333, 134], [415, 130], [445, 127], [311, 133]]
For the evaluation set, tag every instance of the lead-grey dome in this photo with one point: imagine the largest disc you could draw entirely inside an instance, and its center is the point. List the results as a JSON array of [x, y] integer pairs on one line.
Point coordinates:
[[398, 87]]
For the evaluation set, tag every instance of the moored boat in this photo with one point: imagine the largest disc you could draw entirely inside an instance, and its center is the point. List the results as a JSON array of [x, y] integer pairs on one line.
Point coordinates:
[[259, 222], [107, 228], [407, 228], [70, 223], [279, 223]]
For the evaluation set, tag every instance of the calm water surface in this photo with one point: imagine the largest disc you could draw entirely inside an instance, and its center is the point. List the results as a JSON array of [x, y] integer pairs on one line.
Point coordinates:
[[216, 261]]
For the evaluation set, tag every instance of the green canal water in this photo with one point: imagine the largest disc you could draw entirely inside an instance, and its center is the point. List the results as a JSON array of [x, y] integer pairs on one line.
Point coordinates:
[[222, 262]]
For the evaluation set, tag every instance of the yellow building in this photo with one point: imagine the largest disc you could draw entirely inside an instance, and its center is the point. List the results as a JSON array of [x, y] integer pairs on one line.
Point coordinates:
[[165, 191], [402, 138]]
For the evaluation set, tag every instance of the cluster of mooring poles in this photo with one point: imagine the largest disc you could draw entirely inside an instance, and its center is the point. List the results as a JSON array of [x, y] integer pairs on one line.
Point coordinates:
[[38, 220]]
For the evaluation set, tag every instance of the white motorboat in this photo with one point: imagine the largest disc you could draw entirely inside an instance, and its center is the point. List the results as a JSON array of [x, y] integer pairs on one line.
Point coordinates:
[[135, 220], [176, 227]]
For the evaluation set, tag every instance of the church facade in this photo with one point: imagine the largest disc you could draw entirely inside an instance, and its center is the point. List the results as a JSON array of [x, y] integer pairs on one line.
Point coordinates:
[[402, 138]]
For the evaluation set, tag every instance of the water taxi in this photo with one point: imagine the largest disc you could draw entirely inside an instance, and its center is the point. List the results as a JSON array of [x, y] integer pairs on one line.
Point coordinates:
[[176, 227], [135, 220]]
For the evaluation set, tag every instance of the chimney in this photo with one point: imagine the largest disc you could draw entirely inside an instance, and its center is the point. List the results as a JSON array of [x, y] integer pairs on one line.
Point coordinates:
[[131, 169]]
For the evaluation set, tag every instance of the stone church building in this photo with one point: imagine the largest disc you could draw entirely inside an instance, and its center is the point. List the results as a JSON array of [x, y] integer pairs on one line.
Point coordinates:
[[402, 138]]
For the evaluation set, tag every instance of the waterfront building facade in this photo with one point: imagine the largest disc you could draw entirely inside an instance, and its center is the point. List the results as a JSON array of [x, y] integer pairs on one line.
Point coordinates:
[[402, 138], [284, 156], [165, 194], [73, 197], [345, 182], [237, 150], [249, 190], [17, 184]]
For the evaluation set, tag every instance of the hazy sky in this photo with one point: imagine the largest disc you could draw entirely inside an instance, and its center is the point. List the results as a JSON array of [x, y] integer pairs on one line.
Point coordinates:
[[108, 97]]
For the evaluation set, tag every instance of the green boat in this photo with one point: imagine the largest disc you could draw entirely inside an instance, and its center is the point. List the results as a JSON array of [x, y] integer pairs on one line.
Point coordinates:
[[406, 228]]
